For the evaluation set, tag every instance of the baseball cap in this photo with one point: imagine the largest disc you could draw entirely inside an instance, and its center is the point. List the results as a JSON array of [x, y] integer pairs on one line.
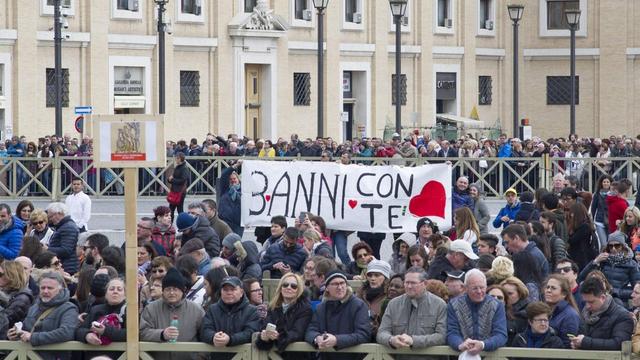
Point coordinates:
[[232, 280], [464, 247], [511, 190]]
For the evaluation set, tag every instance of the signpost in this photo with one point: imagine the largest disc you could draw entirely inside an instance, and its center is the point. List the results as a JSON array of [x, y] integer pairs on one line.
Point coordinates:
[[129, 142], [83, 110], [79, 124]]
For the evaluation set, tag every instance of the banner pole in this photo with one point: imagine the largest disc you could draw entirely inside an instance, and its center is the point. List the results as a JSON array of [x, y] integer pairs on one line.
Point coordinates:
[[131, 247]]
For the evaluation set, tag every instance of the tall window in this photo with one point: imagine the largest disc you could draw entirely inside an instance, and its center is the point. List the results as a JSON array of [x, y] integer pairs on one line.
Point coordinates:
[[189, 88], [131, 5], [300, 7], [556, 19], [559, 90], [51, 87], [350, 10], [191, 7], [444, 7], [403, 89], [301, 89], [485, 13], [64, 3], [485, 90], [249, 5]]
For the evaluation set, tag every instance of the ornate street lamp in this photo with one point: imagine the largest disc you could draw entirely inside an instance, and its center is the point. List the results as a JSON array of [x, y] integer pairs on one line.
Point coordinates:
[[573, 20], [515, 13], [161, 66], [398, 9], [321, 6]]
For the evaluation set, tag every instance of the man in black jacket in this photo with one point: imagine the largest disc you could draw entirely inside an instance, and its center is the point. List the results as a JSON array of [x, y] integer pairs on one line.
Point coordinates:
[[606, 324], [65, 237]]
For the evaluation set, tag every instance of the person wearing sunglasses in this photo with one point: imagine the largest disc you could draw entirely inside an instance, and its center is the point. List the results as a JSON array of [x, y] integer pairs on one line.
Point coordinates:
[[617, 264], [14, 283], [290, 312], [568, 269]]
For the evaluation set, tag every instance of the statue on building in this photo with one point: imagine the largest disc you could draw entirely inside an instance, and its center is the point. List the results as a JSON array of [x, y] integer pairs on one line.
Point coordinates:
[[262, 17]]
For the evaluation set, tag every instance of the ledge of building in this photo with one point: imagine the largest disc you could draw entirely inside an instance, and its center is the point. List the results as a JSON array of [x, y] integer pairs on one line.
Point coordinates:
[[69, 38], [195, 43], [128, 41], [560, 53], [8, 36]]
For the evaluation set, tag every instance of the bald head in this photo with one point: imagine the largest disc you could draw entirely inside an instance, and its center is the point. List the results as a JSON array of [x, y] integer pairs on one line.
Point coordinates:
[[26, 263]]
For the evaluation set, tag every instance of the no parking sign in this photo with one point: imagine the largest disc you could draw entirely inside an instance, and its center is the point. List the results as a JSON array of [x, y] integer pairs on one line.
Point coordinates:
[[79, 124]]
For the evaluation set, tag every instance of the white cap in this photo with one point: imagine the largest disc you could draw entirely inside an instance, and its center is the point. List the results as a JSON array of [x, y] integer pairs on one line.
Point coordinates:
[[464, 247]]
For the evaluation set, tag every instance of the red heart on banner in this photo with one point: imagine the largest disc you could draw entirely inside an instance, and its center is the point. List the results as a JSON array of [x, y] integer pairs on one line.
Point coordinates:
[[353, 203], [267, 197], [430, 202]]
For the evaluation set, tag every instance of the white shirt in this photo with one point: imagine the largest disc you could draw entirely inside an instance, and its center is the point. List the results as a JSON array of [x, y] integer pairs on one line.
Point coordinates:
[[79, 208]]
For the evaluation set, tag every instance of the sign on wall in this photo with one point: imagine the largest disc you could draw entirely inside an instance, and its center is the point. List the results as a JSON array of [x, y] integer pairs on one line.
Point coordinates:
[[348, 197], [128, 80], [129, 140]]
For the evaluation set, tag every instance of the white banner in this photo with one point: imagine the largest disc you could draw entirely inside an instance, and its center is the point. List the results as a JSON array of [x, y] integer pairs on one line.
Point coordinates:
[[348, 197]]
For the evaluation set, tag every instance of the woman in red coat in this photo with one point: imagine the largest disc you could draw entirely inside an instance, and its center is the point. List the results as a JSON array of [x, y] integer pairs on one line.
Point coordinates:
[[617, 203]]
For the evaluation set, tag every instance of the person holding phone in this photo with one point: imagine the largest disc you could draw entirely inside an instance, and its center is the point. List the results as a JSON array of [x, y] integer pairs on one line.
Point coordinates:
[[288, 317]]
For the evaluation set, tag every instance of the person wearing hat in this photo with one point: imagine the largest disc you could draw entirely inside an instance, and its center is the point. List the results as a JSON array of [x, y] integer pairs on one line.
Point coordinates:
[[508, 213], [417, 319], [618, 266], [425, 228], [197, 226], [156, 318], [340, 321], [400, 248], [374, 290], [454, 282], [232, 320], [195, 249], [457, 258]]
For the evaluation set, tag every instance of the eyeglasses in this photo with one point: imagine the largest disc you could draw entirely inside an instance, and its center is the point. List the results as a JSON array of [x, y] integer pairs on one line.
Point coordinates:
[[293, 286], [614, 246], [541, 321], [564, 269], [338, 284], [362, 256], [38, 222], [156, 271]]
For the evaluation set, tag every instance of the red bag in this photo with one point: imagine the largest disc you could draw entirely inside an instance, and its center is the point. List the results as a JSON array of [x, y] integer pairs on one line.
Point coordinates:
[[174, 197]]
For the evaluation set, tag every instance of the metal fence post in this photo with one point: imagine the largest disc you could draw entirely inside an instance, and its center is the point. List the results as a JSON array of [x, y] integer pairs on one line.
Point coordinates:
[[56, 180]]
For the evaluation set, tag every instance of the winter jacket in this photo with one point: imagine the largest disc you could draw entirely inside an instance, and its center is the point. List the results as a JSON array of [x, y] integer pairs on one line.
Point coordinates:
[[558, 250], [197, 292], [398, 262], [15, 306], [202, 230], [157, 316], [323, 249], [527, 212], [461, 199], [165, 237], [485, 321], [599, 208], [111, 332], [439, 265], [622, 277], [427, 323], [616, 207], [374, 303], [180, 179], [561, 224], [510, 211], [614, 326], [482, 215], [229, 209], [541, 261], [278, 253], [291, 327], [548, 341], [579, 249], [565, 320], [11, 239], [330, 318], [518, 322], [57, 327], [63, 243], [221, 228], [239, 321], [249, 267]]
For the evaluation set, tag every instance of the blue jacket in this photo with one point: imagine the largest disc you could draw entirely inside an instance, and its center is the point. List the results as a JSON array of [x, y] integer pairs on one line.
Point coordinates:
[[498, 337], [348, 320], [510, 211], [16, 150], [11, 239], [565, 320], [505, 150], [622, 277], [229, 210], [461, 199], [541, 260], [63, 243], [277, 253]]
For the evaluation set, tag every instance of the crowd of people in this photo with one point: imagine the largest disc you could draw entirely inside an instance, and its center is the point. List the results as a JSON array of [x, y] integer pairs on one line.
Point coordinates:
[[562, 270]]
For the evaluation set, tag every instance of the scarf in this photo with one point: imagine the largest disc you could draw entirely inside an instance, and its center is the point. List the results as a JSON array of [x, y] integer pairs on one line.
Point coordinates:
[[618, 259], [234, 192], [534, 340], [373, 293], [591, 318]]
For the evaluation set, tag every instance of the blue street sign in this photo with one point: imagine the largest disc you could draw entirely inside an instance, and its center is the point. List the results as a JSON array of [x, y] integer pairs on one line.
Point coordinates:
[[81, 110]]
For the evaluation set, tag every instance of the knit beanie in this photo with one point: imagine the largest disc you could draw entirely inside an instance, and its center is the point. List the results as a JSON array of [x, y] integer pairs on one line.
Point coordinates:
[[334, 274], [379, 266], [231, 239], [428, 222], [173, 278], [99, 285], [185, 221]]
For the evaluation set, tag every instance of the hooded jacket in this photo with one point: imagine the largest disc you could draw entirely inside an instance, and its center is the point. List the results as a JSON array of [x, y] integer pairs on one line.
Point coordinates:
[[57, 327], [157, 316], [510, 211], [291, 326], [239, 321], [202, 230], [398, 262], [229, 209], [11, 239], [15, 306], [249, 267], [620, 276], [330, 317], [63, 243], [461, 199], [527, 212]]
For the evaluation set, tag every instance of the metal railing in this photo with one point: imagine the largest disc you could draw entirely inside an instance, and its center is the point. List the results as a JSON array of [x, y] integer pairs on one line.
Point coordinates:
[[51, 178], [22, 351]]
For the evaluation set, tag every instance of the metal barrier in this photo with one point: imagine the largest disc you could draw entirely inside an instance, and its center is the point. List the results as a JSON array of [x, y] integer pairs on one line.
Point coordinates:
[[21, 351], [51, 178]]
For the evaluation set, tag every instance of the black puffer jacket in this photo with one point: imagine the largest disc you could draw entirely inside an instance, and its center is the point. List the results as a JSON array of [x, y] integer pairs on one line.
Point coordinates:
[[249, 267], [15, 306], [614, 326], [622, 277], [63, 243], [291, 326], [517, 321], [202, 230]]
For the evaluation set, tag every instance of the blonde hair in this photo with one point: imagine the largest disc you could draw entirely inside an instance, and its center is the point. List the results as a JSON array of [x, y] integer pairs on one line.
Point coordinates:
[[523, 292], [636, 213], [15, 275], [501, 269], [466, 221], [311, 235], [278, 299], [38, 215]]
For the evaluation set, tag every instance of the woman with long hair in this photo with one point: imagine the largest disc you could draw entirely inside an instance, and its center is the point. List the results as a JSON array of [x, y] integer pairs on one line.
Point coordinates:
[[466, 226], [539, 236], [290, 312], [417, 256], [374, 290], [17, 297], [599, 209], [580, 229], [23, 212], [480, 209], [630, 226], [517, 300], [179, 182], [565, 318]]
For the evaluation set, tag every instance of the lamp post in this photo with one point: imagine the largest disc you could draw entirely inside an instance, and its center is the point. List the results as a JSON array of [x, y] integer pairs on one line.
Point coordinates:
[[398, 9], [321, 6], [57, 43], [573, 19], [515, 13], [161, 77]]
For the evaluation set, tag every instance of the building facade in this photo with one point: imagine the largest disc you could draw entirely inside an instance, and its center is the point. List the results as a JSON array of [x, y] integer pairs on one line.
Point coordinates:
[[230, 70]]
